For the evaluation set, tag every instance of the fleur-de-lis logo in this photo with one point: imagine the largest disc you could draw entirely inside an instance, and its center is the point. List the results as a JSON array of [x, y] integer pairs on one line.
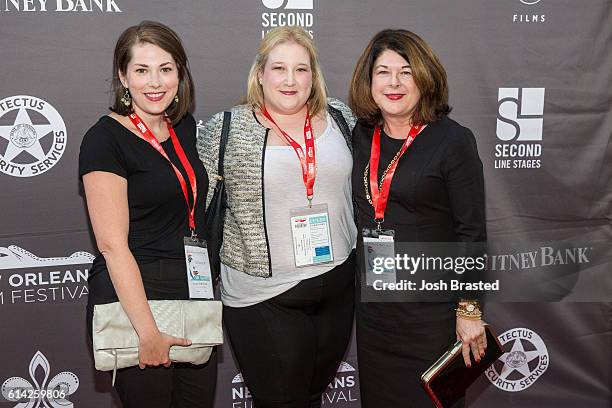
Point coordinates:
[[40, 393]]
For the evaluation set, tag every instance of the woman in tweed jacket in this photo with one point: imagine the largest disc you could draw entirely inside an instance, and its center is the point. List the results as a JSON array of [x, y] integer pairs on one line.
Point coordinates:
[[289, 323]]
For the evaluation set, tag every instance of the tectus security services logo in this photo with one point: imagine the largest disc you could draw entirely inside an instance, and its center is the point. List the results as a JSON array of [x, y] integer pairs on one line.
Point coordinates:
[[34, 141], [519, 368]]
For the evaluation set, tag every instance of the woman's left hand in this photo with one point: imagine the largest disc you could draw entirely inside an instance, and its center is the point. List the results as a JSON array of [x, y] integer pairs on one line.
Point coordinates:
[[473, 337]]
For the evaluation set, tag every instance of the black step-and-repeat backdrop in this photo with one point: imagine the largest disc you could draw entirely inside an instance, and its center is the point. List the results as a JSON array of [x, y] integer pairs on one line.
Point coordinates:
[[531, 78]]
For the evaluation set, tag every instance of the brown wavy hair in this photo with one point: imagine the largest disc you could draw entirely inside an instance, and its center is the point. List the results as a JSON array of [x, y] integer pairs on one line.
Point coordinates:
[[152, 32], [428, 73]]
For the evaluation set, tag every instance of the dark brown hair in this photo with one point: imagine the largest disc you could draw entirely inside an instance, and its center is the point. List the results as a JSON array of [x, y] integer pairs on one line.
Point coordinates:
[[151, 32], [428, 73]]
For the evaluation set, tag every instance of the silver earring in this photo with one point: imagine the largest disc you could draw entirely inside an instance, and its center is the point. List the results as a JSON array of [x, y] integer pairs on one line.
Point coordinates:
[[176, 98]]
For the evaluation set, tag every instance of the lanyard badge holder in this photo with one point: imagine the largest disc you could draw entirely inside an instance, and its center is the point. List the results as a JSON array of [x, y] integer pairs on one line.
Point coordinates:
[[310, 229], [199, 276], [379, 243], [311, 235], [197, 262]]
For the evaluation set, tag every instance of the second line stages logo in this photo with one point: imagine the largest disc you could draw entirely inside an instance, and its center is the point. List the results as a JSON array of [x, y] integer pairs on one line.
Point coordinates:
[[520, 124], [282, 13]]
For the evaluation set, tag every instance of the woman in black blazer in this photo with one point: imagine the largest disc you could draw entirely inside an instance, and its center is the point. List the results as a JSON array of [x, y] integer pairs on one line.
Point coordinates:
[[434, 180]]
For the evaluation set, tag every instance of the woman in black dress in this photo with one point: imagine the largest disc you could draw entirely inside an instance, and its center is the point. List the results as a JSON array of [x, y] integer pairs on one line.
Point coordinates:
[[399, 94], [139, 212]]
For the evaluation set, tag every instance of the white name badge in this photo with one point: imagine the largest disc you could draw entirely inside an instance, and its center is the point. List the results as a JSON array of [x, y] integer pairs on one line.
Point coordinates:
[[312, 243], [199, 277], [379, 253]]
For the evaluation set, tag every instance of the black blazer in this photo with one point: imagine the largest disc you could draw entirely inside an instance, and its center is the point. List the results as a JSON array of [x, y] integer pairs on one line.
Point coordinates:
[[437, 193]]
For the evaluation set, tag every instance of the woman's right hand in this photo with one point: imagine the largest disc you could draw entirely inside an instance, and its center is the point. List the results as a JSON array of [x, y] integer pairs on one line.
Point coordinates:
[[154, 349]]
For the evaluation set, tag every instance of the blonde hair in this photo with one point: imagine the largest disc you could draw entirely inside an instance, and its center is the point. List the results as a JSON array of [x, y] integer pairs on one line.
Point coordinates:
[[317, 102]]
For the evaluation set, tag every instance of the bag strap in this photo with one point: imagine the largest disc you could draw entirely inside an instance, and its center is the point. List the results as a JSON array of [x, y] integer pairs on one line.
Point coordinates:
[[227, 118], [114, 353], [337, 115]]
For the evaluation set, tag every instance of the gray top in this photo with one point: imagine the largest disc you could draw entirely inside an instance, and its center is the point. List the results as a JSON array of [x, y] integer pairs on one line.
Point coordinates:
[[283, 190]]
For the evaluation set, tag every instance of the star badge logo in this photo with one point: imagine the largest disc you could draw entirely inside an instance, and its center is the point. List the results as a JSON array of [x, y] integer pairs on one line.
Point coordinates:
[[32, 143], [520, 367], [517, 359]]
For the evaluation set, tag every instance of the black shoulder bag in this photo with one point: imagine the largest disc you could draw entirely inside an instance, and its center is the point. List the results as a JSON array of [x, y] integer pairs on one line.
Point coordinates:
[[214, 216]]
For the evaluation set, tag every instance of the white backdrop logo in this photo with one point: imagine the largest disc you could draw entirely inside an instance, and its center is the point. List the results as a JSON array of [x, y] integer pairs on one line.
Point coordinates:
[[340, 390], [14, 257], [34, 139], [241, 396], [526, 14], [520, 121], [519, 368], [289, 4], [521, 114], [104, 6], [39, 391], [287, 13], [44, 279]]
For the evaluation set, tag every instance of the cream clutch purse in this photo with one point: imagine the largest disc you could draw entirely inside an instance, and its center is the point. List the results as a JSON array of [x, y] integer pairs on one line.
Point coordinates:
[[115, 342]]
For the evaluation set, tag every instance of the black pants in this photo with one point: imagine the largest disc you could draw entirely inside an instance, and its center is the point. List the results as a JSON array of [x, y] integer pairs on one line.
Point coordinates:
[[181, 385], [289, 347], [178, 386]]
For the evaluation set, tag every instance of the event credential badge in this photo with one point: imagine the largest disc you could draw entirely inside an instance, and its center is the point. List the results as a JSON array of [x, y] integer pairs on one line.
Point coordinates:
[[199, 277], [378, 246], [311, 235]]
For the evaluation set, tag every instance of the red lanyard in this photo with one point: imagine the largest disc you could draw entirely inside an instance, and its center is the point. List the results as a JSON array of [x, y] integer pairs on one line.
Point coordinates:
[[380, 198], [307, 161], [148, 136]]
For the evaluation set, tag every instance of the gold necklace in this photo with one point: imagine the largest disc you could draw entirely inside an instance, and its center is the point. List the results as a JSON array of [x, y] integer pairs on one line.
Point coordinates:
[[382, 179]]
